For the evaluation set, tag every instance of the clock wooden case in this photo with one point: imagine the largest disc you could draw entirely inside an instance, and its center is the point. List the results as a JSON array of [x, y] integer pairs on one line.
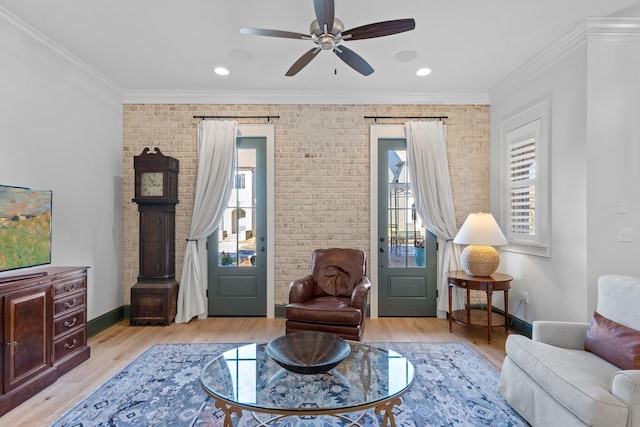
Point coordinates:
[[156, 178], [153, 298]]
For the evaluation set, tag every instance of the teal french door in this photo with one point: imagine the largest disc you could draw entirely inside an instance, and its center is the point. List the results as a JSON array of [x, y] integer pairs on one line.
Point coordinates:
[[407, 254], [237, 255]]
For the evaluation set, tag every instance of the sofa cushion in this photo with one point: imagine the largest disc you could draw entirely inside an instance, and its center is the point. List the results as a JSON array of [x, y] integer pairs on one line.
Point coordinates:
[[614, 342], [577, 379]]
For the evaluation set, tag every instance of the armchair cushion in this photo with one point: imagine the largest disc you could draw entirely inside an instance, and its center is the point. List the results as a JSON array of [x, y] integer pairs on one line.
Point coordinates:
[[328, 310], [618, 299], [613, 342], [336, 272]]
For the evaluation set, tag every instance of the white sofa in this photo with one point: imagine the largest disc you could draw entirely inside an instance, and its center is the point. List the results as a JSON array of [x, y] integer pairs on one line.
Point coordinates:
[[552, 381]]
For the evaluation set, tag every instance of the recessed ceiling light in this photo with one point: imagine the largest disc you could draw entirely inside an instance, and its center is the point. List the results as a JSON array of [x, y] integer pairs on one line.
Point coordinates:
[[221, 71], [423, 72], [406, 56]]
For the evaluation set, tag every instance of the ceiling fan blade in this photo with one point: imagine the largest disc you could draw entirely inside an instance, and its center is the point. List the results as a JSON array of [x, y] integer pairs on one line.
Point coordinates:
[[302, 61], [325, 12], [379, 29], [274, 33], [353, 60]]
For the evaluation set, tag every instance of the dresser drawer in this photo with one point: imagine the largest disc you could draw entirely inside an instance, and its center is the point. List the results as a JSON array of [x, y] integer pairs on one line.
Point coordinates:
[[69, 322], [69, 344], [68, 286], [69, 303]]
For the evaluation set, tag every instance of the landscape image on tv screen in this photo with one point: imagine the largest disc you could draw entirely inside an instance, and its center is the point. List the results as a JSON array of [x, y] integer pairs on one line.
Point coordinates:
[[25, 227]]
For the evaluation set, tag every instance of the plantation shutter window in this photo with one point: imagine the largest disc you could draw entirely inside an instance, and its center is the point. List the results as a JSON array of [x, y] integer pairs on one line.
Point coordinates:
[[525, 201], [522, 188]]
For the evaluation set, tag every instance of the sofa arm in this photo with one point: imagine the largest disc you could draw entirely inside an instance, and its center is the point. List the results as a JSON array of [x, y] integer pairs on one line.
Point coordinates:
[[302, 290], [625, 385], [560, 334], [360, 294]]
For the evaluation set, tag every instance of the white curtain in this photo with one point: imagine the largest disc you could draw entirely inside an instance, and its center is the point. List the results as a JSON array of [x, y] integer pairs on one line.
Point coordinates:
[[214, 183], [429, 174]]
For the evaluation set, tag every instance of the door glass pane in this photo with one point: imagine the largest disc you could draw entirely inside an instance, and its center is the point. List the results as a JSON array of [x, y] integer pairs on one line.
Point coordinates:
[[406, 231], [237, 234]]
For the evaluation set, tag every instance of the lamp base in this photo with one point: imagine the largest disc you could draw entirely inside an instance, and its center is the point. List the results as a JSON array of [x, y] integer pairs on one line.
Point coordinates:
[[480, 260]]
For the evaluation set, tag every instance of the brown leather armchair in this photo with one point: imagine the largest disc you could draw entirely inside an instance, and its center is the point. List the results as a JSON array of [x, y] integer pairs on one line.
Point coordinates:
[[333, 298]]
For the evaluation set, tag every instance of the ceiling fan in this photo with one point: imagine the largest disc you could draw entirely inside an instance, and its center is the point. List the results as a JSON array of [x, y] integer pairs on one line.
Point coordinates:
[[328, 33]]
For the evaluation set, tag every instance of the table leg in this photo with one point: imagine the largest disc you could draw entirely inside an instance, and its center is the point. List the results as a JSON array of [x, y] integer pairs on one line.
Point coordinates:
[[388, 413], [489, 309], [506, 311], [228, 410], [468, 306], [450, 306]]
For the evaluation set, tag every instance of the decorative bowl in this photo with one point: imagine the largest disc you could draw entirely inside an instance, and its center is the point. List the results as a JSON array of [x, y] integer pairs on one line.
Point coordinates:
[[308, 352]]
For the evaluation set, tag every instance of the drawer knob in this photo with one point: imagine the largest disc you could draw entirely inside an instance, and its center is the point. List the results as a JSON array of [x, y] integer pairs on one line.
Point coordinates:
[[68, 346], [463, 284], [70, 287], [70, 304], [70, 324]]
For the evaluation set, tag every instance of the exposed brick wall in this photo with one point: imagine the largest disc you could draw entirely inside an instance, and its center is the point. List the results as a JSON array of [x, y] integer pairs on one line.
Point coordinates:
[[321, 172]]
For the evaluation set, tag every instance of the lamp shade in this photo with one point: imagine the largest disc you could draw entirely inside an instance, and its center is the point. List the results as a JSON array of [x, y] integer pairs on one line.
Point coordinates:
[[480, 229], [481, 233]]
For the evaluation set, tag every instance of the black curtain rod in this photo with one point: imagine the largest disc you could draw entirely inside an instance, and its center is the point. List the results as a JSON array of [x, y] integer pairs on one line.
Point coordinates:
[[375, 118], [236, 117]]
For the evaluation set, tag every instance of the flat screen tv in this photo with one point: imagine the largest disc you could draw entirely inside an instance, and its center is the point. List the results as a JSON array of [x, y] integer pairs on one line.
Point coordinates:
[[25, 227]]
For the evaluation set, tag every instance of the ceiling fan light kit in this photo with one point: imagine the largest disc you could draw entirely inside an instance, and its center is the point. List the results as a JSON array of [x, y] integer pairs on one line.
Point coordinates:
[[327, 33]]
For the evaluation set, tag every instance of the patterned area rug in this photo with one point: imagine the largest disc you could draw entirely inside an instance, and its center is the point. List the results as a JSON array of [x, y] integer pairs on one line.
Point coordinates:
[[454, 386]]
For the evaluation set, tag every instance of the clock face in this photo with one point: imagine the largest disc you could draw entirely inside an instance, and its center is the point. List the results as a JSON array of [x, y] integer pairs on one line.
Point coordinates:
[[151, 184]]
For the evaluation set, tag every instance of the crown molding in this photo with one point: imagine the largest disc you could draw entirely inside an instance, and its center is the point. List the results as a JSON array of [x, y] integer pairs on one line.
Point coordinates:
[[38, 41], [295, 97], [539, 62], [592, 29], [613, 29]]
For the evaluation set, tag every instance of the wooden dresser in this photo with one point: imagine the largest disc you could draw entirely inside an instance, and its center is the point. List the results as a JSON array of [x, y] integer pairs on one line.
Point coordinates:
[[44, 316]]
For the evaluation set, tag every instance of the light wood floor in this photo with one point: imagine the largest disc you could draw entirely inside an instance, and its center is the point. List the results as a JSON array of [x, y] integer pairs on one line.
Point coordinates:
[[114, 348]]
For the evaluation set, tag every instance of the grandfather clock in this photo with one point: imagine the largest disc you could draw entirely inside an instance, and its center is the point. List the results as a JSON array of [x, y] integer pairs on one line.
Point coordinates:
[[154, 296]]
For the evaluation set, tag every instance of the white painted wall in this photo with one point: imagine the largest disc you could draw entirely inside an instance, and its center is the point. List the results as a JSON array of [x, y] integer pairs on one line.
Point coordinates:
[[555, 281], [613, 157], [594, 163], [60, 132]]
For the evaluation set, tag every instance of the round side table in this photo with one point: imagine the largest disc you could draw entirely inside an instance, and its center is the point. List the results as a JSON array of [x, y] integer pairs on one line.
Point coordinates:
[[478, 317]]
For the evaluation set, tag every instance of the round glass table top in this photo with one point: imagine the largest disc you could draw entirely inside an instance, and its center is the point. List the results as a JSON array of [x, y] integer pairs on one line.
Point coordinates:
[[248, 377]]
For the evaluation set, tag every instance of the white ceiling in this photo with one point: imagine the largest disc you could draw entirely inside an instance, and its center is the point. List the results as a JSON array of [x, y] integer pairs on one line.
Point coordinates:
[[157, 46]]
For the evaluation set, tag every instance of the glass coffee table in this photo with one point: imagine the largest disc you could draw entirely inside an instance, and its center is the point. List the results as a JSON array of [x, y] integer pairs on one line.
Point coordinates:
[[246, 378]]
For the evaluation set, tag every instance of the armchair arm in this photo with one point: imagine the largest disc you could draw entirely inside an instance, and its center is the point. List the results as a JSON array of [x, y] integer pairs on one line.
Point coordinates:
[[360, 294], [560, 334], [625, 385], [302, 290]]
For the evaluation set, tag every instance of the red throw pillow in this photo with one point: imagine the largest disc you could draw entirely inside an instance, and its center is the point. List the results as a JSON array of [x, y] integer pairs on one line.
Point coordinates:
[[616, 343]]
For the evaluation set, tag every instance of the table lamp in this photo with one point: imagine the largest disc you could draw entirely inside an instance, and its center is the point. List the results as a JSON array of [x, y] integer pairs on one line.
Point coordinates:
[[481, 232]]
